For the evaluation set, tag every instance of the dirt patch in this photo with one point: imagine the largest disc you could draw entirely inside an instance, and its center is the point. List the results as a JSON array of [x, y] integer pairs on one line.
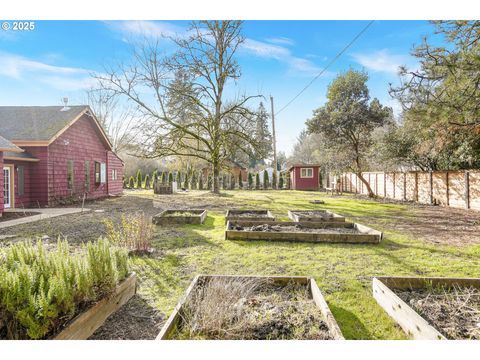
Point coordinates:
[[313, 213], [16, 215], [251, 309], [135, 320], [454, 312], [294, 228]]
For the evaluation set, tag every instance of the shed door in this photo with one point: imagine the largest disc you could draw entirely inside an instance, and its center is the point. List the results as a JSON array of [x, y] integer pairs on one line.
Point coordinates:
[[7, 195]]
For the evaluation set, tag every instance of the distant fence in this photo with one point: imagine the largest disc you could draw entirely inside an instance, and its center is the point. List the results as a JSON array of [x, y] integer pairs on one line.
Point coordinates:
[[460, 189]]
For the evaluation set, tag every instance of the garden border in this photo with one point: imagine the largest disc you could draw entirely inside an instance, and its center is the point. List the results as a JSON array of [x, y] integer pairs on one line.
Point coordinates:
[[161, 219], [293, 214], [234, 217], [85, 324], [409, 320], [175, 317], [367, 235]]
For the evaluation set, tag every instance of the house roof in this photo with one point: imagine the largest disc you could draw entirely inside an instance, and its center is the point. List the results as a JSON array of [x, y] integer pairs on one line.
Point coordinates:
[[6, 145], [302, 165], [41, 123], [23, 156]]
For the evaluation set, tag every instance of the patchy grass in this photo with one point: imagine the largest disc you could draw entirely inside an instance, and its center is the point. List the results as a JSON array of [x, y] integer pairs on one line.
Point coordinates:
[[419, 240], [342, 271]]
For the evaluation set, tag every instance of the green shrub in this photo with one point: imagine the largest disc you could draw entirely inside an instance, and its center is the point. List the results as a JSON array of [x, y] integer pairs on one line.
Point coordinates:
[[232, 182], [250, 180], [185, 181], [209, 182], [41, 290], [193, 181], [131, 182], [139, 179], [274, 180], [257, 181], [266, 181], [280, 182], [164, 177], [170, 178], [240, 180], [147, 182]]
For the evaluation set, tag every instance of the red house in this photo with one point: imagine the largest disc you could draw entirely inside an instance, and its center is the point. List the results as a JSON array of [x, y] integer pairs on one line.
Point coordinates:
[[54, 153], [304, 177]]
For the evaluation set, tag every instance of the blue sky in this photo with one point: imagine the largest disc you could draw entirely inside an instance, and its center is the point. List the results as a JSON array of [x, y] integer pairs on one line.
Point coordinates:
[[56, 59]]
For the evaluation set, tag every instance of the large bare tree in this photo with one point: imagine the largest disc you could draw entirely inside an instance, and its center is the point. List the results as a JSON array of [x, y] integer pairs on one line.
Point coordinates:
[[182, 97]]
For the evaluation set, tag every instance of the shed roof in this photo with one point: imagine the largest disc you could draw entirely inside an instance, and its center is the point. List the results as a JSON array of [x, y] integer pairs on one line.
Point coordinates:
[[302, 165], [6, 145]]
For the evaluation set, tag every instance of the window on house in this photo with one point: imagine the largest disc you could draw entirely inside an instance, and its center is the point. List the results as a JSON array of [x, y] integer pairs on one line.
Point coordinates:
[[306, 172], [114, 174], [21, 180], [97, 172], [87, 176], [103, 173], [70, 174]]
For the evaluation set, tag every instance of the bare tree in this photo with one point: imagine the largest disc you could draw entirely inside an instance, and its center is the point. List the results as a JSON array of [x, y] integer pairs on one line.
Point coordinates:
[[206, 122], [118, 121]]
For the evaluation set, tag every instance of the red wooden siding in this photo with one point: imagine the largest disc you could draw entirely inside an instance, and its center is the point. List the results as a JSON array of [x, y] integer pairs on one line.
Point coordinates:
[[299, 183], [1, 183], [115, 187]]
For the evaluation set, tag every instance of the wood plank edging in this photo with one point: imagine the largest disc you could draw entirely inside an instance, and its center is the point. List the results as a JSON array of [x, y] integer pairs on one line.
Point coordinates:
[[86, 323]]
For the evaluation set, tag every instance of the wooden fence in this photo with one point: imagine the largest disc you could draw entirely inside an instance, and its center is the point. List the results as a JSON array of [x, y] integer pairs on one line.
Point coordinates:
[[460, 189]]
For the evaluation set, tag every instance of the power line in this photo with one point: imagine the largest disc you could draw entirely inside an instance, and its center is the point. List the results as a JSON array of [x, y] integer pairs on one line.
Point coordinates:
[[326, 67]]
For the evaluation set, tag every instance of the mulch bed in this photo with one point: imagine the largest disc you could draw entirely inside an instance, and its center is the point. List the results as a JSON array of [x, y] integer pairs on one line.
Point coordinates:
[[293, 228], [16, 215], [135, 320], [252, 309], [453, 312]]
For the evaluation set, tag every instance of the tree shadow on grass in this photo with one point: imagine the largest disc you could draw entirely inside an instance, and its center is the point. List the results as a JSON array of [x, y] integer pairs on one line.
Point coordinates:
[[350, 324]]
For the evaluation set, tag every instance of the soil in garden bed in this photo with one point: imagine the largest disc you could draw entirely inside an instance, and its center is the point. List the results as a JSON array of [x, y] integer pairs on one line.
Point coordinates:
[[251, 309], [180, 213], [294, 229], [249, 215], [453, 312], [318, 214]]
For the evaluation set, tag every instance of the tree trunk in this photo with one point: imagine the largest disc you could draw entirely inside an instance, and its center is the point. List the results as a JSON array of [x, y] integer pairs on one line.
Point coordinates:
[[367, 185], [216, 173]]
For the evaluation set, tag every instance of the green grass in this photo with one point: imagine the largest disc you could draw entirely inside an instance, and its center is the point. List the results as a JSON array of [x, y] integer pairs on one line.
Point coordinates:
[[342, 271]]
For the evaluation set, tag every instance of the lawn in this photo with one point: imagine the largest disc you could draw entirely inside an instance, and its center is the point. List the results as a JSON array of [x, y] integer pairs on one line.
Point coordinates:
[[343, 272], [418, 240]]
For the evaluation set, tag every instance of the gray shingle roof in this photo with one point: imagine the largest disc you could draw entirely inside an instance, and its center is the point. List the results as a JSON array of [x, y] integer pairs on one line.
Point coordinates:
[[36, 123], [23, 155], [7, 145]]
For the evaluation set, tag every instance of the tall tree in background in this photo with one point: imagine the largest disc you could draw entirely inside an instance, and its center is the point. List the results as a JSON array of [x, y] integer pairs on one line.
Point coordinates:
[[442, 98], [263, 137], [206, 60], [348, 119]]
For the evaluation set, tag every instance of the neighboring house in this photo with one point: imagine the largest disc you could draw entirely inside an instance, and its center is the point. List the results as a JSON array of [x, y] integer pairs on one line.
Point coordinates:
[[59, 153], [304, 177]]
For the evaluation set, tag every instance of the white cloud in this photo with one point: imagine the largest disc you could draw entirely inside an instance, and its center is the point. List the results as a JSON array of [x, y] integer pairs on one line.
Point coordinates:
[[145, 28], [281, 41], [59, 77], [383, 61]]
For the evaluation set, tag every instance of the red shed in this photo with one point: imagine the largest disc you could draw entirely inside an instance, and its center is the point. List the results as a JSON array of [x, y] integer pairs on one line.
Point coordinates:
[[63, 153], [304, 177]]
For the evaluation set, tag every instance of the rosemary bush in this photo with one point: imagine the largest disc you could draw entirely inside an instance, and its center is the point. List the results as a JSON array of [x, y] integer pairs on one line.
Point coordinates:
[[41, 290]]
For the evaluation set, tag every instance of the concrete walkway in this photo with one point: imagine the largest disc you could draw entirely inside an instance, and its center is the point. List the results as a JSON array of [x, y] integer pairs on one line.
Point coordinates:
[[45, 213]]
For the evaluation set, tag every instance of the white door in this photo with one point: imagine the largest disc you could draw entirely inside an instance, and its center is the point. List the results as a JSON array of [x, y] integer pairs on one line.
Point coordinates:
[[7, 196]]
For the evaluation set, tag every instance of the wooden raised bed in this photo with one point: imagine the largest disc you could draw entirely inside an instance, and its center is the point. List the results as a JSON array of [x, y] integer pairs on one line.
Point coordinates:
[[317, 202], [171, 325], [364, 233], [232, 215], [85, 324], [193, 217], [323, 215], [408, 319]]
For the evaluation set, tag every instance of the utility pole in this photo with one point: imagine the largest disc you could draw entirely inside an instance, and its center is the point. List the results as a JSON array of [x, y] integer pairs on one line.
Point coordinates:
[[274, 186]]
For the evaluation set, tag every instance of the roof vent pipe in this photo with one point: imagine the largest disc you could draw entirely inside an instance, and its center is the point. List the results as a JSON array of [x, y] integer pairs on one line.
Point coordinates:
[[65, 103]]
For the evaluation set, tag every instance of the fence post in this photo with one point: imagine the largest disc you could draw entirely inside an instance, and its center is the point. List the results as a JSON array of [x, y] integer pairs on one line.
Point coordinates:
[[467, 189], [385, 185], [393, 180], [431, 187], [447, 190], [405, 186], [416, 187]]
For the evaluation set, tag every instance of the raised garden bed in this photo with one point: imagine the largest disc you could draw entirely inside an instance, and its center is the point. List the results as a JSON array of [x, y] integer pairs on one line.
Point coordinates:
[[317, 202], [251, 215], [314, 215], [85, 324], [168, 217], [329, 232], [251, 307], [431, 308]]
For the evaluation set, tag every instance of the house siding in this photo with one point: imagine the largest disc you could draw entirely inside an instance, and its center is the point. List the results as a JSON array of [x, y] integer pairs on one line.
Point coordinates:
[[115, 187], [299, 183], [1, 184]]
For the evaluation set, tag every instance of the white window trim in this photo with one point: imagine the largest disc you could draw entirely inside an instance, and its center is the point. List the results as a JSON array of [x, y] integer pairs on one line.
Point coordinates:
[[306, 173]]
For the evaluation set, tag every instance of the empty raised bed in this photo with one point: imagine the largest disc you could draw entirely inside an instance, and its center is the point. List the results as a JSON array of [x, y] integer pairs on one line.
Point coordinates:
[[314, 215], [251, 307], [432, 308], [252, 215], [329, 232], [168, 217]]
